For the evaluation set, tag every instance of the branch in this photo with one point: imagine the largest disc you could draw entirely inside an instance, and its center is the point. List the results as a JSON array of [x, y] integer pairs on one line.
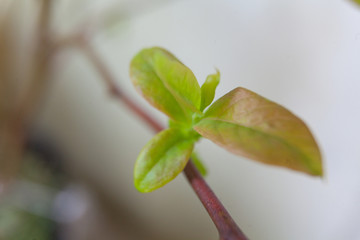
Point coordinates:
[[115, 91], [228, 230], [19, 117], [40, 68]]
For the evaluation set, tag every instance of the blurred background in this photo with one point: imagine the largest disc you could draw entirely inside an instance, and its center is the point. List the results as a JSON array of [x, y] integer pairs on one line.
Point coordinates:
[[67, 148]]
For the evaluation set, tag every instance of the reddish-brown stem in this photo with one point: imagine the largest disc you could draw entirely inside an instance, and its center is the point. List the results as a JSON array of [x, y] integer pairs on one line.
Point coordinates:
[[113, 89], [228, 230]]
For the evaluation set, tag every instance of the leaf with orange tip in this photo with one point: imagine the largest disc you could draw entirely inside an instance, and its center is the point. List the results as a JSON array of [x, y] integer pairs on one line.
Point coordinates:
[[249, 125]]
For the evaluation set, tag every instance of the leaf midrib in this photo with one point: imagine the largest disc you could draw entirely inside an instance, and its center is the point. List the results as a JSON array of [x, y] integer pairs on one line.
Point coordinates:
[[152, 69], [161, 157], [267, 135]]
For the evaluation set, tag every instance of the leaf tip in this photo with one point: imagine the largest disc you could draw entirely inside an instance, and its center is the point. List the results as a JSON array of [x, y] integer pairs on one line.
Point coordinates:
[[140, 186], [317, 170]]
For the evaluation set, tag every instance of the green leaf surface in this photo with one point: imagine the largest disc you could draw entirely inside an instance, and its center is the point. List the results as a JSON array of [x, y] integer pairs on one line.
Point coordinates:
[[208, 89], [199, 164], [162, 159], [249, 125], [178, 79], [357, 2], [166, 83]]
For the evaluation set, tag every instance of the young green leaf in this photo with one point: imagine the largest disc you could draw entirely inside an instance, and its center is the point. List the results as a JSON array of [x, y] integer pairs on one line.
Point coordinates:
[[162, 159], [208, 90], [166, 83], [178, 79], [199, 164], [249, 125]]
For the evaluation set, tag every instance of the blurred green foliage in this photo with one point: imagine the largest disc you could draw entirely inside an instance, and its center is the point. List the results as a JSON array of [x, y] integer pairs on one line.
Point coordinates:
[[16, 224], [26, 207]]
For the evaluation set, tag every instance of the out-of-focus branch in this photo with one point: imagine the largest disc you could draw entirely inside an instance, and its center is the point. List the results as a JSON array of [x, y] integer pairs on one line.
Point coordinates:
[[115, 91], [41, 67], [13, 129]]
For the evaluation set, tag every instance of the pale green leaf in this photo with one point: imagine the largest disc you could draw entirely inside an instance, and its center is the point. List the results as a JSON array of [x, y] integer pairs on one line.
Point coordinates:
[[199, 164], [178, 79], [249, 125], [166, 83], [208, 89], [162, 159]]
